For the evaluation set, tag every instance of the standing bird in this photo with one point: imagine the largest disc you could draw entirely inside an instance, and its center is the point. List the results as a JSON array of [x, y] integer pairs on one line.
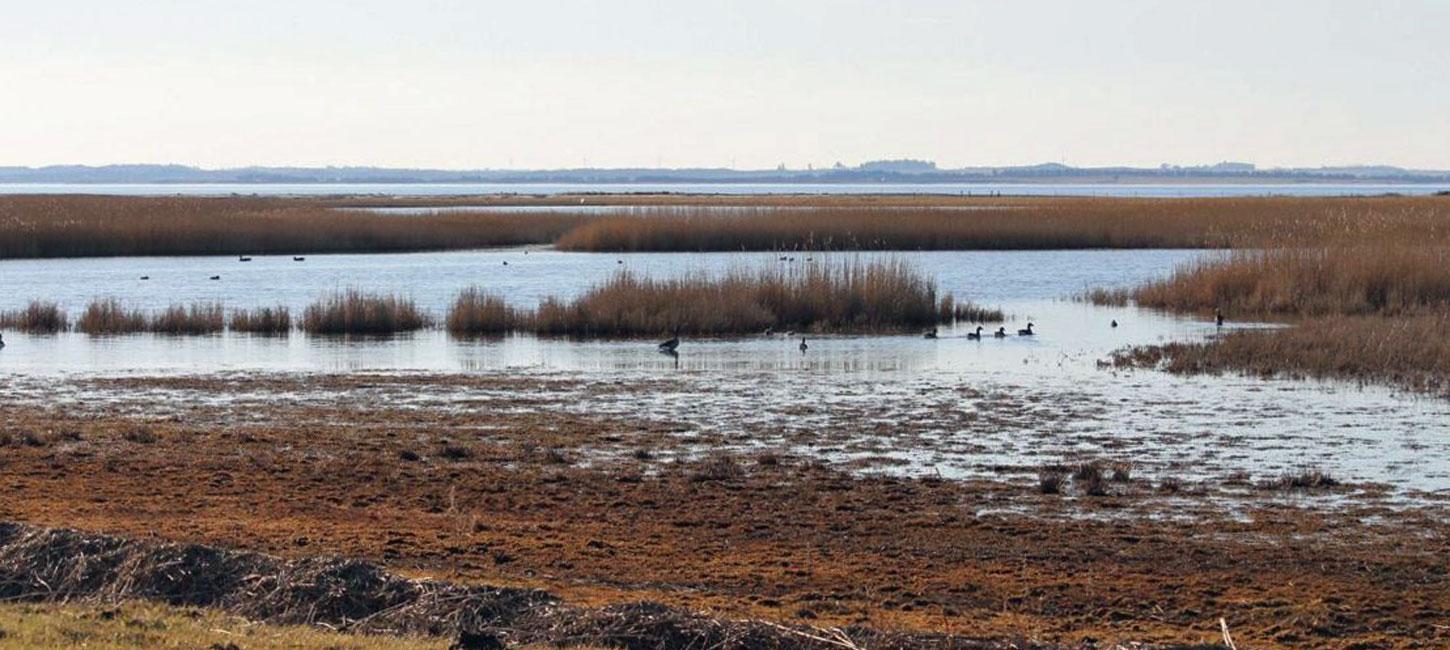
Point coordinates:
[[671, 345], [930, 334], [1026, 331], [804, 347], [1218, 317], [1001, 333]]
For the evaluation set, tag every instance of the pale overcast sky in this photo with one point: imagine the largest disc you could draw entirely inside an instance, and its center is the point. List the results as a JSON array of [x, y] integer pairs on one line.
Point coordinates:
[[457, 84]]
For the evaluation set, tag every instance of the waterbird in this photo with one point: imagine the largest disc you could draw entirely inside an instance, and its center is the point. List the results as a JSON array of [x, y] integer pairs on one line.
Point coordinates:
[[930, 334], [215, 277], [298, 259], [671, 345], [977, 335], [2, 339], [505, 262], [1115, 322], [242, 258], [769, 331], [1001, 333], [145, 277], [1027, 331], [804, 347], [1218, 317]]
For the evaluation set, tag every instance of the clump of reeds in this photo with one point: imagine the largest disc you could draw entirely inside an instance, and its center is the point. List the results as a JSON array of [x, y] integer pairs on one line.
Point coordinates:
[[194, 319], [272, 321], [476, 312], [1051, 480], [355, 312], [38, 317], [1305, 479], [110, 316], [969, 312]]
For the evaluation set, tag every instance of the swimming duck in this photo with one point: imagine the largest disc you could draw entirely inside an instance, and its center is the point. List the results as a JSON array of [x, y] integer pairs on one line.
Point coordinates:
[[1027, 331], [977, 335], [215, 277], [1001, 333], [1115, 322], [929, 334]]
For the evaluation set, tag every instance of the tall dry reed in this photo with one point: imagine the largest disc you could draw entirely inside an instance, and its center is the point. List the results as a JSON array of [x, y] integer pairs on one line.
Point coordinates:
[[38, 317], [110, 316], [355, 312], [197, 318], [476, 313], [273, 321]]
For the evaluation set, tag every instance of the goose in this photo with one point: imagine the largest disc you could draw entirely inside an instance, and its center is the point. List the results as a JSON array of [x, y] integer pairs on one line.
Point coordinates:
[[1115, 322], [215, 277], [1001, 333], [769, 331], [243, 258], [977, 335], [804, 347], [670, 345], [1218, 317], [930, 334], [298, 259], [1027, 331]]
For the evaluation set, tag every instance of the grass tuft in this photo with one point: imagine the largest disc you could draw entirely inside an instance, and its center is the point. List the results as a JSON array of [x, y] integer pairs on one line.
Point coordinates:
[[356, 312]]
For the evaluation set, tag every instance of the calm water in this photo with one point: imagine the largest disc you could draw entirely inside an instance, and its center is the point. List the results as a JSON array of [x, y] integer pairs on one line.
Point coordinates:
[[950, 405], [979, 189]]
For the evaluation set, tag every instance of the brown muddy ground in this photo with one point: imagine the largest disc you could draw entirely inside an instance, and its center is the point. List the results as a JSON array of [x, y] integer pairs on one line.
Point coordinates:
[[520, 497]]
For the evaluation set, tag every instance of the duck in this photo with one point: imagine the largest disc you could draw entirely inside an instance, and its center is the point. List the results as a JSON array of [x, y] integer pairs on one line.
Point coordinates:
[[1115, 322], [803, 346], [769, 331], [1026, 331], [243, 258], [671, 345], [929, 334], [215, 277], [296, 258], [505, 262], [1001, 333], [145, 277], [977, 335]]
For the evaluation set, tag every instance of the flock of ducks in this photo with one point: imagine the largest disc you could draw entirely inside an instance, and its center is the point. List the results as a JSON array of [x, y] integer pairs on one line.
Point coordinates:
[[672, 345], [242, 258]]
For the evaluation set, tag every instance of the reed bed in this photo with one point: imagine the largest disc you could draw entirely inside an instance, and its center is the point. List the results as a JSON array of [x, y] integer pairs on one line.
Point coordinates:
[[356, 312], [38, 317], [1379, 278], [91, 226], [876, 296], [1023, 224], [79, 226], [1411, 352], [109, 316], [194, 319], [272, 321], [477, 313]]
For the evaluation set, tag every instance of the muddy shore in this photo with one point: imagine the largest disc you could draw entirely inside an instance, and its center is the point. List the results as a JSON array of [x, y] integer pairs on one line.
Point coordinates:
[[601, 509]]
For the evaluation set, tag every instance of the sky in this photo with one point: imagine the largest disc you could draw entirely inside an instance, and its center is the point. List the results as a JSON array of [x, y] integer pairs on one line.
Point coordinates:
[[744, 84]]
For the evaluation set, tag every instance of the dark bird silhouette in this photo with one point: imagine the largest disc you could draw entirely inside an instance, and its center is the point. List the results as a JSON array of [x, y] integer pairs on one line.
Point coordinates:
[[145, 277], [298, 259], [929, 334], [2, 340], [672, 344], [1115, 322], [215, 277], [243, 258], [505, 262], [804, 347], [1001, 333], [1218, 317], [977, 335], [1026, 331]]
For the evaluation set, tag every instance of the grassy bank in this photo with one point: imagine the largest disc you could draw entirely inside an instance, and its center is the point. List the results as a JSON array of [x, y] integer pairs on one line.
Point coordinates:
[[1022, 224], [79, 226], [91, 226], [141, 626]]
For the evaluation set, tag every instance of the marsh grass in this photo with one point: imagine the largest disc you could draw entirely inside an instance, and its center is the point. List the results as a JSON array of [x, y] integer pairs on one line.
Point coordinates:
[[822, 296], [355, 312], [105, 316], [194, 319], [38, 317], [270, 321], [90, 226]]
